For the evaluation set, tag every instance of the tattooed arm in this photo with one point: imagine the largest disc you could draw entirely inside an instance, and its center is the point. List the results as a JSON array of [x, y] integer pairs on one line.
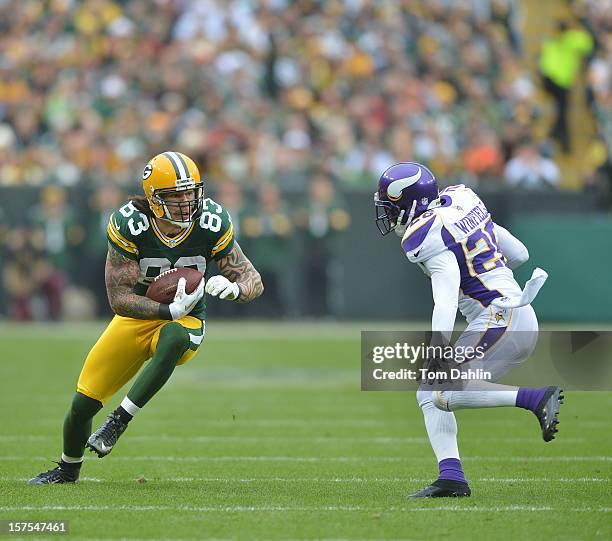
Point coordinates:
[[121, 274], [236, 267]]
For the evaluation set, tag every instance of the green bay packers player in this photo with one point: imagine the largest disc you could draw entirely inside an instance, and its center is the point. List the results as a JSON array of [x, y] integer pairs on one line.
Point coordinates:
[[174, 225]]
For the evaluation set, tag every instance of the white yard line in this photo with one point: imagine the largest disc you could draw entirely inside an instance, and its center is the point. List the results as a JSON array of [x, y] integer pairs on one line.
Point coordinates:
[[246, 423], [208, 439], [263, 458], [281, 438], [337, 480], [289, 509]]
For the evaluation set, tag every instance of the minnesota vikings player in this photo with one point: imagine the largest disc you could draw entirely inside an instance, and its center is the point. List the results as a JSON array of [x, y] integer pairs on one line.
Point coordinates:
[[451, 236]]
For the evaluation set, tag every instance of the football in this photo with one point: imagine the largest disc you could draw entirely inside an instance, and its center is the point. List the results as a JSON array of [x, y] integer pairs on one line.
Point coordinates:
[[163, 288]]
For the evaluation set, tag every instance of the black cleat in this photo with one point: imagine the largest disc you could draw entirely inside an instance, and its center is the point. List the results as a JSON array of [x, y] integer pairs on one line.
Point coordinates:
[[102, 440], [56, 476], [548, 410], [443, 488]]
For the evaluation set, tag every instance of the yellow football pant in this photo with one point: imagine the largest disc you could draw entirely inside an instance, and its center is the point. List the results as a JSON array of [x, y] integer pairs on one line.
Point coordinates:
[[121, 351]]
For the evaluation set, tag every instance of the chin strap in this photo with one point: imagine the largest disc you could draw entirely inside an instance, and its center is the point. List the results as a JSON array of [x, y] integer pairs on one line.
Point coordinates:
[[412, 211], [182, 225], [400, 229]]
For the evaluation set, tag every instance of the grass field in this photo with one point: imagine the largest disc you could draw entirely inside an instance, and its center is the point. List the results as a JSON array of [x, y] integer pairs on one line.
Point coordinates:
[[265, 435]]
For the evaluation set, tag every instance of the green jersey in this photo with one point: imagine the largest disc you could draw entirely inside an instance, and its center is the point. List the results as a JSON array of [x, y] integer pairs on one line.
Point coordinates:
[[138, 237]]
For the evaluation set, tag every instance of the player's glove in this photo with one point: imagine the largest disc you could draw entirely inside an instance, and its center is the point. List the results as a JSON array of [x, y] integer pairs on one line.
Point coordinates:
[[438, 370], [220, 286], [183, 303]]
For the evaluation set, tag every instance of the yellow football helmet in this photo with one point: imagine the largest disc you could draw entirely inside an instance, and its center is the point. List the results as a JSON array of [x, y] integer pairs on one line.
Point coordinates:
[[167, 175]]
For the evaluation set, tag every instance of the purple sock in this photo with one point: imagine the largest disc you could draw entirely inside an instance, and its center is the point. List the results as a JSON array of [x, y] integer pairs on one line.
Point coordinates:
[[451, 470], [529, 397]]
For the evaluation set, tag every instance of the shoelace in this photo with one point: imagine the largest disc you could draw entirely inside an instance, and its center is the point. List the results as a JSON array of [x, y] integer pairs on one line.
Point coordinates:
[[58, 467], [53, 470], [109, 427]]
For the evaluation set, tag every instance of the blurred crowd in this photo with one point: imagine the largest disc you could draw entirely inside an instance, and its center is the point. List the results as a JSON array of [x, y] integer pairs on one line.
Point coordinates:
[[270, 98], [261, 90]]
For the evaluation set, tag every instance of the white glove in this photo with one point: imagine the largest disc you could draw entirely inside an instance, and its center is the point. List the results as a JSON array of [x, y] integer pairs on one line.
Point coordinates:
[[531, 289], [183, 303], [222, 287], [400, 229]]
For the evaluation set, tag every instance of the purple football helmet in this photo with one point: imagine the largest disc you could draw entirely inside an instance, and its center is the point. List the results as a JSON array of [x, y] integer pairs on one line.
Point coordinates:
[[404, 192]]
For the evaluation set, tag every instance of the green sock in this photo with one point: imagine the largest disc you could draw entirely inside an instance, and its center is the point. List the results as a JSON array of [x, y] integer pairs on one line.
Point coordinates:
[[173, 342], [77, 424]]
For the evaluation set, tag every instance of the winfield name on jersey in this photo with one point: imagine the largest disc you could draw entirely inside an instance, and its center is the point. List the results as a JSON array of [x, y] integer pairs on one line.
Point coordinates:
[[476, 216]]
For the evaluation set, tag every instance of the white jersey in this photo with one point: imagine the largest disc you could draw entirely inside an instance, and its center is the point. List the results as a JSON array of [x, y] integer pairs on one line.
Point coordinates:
[[460, 223]]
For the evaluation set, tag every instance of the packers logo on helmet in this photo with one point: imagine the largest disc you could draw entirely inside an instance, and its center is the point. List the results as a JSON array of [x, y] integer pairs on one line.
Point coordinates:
[[172, 184], [147, 171]]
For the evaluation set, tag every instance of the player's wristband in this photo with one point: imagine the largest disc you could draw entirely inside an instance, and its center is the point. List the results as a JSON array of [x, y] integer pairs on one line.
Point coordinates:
[[164, 312]]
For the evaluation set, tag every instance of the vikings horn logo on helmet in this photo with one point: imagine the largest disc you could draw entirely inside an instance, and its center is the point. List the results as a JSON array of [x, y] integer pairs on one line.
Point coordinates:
[[394, 190]]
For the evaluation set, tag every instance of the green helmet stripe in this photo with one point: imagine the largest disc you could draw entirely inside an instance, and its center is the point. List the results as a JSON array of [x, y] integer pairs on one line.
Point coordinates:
[[175, 164], [183, 163]]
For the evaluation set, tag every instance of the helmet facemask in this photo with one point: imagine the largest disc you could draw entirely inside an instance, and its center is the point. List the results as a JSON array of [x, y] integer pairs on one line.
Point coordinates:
[[186, 211], [386, 215], [391, 217]]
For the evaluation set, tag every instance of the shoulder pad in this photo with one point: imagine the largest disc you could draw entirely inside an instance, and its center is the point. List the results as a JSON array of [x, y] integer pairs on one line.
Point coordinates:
[[125, 228], [461, 196], [454, 188], [218, 223], [422, 239]]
